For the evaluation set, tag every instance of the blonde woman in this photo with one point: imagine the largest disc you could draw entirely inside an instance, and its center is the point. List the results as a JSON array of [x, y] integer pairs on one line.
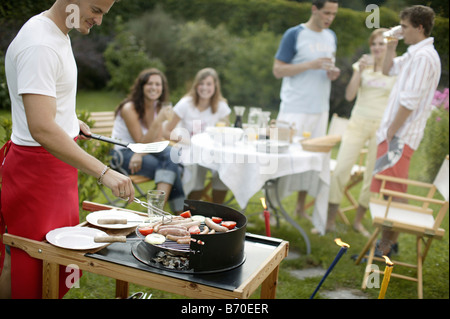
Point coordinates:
[[371, 89], [201, 107]]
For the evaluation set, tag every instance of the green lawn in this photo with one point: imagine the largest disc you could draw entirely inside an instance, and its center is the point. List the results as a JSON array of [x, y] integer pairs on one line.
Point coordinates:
[[345, 275], [98, 101]]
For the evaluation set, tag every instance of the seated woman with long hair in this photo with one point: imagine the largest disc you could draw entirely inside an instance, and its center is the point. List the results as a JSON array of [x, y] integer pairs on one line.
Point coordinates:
[[139, 119], [201, 107]]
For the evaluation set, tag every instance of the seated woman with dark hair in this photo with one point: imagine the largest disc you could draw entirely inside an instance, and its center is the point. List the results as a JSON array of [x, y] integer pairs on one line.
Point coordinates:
[[139, 119]]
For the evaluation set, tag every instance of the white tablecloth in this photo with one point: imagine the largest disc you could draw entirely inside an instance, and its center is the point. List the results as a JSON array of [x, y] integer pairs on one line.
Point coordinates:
[[245, 171]]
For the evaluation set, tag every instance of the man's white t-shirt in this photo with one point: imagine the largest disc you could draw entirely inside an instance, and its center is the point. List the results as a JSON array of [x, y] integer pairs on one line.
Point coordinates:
[[309, 91], [40, 61], [196, 121]]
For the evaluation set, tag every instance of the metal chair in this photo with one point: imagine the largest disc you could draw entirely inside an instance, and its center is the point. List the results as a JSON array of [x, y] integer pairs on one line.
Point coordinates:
[[408, 218], [103, 123], [115, 163]]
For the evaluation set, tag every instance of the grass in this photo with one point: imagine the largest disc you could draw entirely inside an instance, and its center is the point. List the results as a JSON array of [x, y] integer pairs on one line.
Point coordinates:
[[98, 101], [345, 275]]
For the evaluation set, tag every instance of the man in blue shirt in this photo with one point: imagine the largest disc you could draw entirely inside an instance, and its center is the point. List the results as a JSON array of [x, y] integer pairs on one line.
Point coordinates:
[[305, 60]]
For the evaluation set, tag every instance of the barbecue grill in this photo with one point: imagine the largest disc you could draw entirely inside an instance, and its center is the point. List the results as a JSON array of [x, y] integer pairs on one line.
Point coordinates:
[[211, 253]]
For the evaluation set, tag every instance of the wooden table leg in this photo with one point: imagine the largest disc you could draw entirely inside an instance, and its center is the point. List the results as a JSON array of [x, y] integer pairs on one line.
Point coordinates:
[[122, 289], [269, 285], [50, 280]]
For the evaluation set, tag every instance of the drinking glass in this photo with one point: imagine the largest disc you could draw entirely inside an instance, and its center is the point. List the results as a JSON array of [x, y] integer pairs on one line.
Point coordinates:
[[305, 131], [392, 34], [250, 132], [253, 115], [263, 123], [367, 60], [169, 112], [155, 198], [263, 119], [330, 65]]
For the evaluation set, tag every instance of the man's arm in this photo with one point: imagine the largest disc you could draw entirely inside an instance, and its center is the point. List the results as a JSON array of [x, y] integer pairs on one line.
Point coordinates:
[[389, 57], [40, 112], [402, 114], [282, 69]]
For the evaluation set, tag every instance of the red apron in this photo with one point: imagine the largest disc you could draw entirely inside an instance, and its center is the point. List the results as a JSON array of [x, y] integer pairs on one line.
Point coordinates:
[[39, 193], [3, 153]]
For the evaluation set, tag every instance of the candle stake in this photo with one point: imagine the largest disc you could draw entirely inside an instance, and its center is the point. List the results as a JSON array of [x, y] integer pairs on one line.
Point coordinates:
[[386, 278], [266, 216], [342, 251]]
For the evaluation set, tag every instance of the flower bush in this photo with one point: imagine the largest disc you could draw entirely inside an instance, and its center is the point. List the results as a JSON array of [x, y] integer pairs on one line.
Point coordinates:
[[435, 144], [441, 100]]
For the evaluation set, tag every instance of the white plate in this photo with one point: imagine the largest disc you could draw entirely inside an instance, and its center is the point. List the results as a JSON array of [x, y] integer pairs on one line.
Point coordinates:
[[79, 238], [134, 219]]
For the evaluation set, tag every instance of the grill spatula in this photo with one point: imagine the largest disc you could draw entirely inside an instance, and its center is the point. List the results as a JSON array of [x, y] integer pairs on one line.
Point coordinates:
[[135, 147]]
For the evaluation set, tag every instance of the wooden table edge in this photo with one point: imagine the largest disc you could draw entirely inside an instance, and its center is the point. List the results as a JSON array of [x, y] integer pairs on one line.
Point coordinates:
[[52, 256]]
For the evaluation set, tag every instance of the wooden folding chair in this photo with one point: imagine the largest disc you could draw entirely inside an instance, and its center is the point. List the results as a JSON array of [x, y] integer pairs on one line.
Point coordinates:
[[409, 218]]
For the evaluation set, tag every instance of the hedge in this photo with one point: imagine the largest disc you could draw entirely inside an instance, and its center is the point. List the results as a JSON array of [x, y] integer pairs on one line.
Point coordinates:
[[251, 16]]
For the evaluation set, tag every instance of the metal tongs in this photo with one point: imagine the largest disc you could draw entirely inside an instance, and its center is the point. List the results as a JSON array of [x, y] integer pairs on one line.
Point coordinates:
[[166, 217], [156, 147]]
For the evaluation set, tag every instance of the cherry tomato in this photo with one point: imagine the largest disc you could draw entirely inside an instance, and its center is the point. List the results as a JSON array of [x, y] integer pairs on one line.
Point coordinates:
[[194, 230], [186, 214], [146, 230], [217, 220], [229, 224]]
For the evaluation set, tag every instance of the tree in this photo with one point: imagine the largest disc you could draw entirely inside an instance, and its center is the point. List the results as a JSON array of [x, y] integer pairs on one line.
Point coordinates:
[[183, 48], [126, 58], [5, 102], [248, 78]]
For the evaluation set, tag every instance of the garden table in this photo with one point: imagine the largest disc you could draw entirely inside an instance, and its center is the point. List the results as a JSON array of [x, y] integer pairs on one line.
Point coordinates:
[[245, 171], [261, 266]]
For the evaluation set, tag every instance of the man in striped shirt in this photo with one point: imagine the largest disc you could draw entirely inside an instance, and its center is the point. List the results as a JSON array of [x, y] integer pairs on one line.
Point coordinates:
[[402, 127]]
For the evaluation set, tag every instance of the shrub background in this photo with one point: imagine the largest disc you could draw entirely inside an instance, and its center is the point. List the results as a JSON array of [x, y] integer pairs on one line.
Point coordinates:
[[190, 34], [435, 144]]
